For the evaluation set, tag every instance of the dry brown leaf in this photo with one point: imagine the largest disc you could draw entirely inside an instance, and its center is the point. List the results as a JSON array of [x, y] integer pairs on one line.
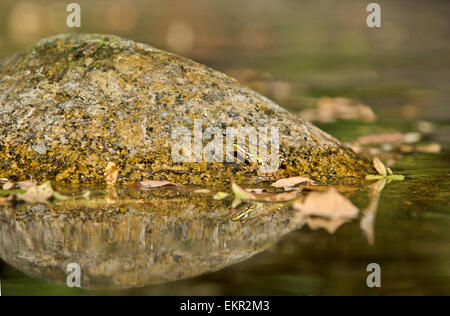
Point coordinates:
[[331, 109], [148, 184], [243, 194], [111, 173], [433, 148], [330, 204], [330, 225], [37, 194], [290, 182], [380, 138]]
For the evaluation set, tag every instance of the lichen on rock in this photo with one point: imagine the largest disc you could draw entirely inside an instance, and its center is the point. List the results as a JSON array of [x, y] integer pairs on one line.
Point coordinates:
[[74, 103]]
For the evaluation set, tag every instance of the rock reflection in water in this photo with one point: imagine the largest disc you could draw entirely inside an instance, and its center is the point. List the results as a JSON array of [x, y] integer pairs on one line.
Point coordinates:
[[138, 241]]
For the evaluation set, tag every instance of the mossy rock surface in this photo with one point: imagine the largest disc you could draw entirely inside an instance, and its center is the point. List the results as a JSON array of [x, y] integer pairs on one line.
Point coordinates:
[[73, 103]]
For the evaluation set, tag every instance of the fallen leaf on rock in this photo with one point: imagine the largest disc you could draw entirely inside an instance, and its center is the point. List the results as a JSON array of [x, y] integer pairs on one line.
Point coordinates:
[[290, 182], [243, 194], [37, 194], [330, 225], [111, 173], [148, 184], [329, 204]]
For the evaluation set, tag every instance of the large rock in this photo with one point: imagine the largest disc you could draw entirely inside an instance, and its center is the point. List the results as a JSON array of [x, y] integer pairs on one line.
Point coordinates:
[[73, 103]]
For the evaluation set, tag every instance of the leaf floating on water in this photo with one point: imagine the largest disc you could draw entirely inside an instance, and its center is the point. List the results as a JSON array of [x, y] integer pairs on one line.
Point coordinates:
[[330, 204], [111, 173], [396, 177], [38, 194], [380, 138], [384, 173], [374, 177], [332, 109], [243, 194], [290, 182], [379, 166], [149, 184], [220, 196], [433, 148]]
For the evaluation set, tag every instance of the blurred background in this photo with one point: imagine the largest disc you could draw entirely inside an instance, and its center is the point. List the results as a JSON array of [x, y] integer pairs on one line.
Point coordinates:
[[289, 50]]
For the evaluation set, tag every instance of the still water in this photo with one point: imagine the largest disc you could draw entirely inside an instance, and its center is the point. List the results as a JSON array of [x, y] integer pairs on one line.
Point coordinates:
[[176, 242]]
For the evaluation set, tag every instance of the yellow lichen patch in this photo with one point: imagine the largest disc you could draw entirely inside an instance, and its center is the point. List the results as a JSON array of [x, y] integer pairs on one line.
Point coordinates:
[[111, 173]]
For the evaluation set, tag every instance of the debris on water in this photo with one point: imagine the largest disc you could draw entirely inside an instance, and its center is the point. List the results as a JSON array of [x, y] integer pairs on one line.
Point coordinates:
[[37, 194], [329, 204], [332, 109], [290, 182], [433, 148], [149, 184], [383, 172], [243, 194]]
